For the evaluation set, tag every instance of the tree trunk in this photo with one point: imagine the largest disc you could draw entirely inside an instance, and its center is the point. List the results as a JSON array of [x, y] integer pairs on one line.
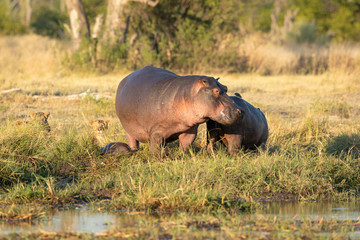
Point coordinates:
[[274, 19], [28, 13], [78, 22], [115, 24], [289, 21], [94, 38], [117, 19]]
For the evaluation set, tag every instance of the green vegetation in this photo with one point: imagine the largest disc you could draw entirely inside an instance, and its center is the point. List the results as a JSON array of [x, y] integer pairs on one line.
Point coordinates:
[[190, 36], [305, 162]]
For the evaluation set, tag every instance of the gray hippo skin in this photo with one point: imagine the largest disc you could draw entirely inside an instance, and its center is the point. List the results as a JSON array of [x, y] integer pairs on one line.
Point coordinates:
[[116, 148], [248, 132], [158, 106]]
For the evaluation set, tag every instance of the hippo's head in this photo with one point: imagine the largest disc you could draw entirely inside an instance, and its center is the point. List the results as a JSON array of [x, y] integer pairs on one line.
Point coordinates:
[[213, 102]]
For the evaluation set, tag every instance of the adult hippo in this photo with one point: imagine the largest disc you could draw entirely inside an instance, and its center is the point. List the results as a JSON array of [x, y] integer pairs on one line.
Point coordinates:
[[159, 106], [248, 132]]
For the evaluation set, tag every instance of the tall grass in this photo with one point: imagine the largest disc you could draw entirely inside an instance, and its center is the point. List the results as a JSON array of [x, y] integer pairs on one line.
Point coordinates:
[[302, 162], [267, 58]]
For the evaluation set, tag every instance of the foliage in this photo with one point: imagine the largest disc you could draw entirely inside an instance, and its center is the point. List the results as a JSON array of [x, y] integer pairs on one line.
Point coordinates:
[[9, 24], [194, 35], [49, 22], [337, 17]]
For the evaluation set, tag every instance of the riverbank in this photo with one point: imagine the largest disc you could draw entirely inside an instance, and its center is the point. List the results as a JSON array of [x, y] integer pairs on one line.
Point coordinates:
[[271, 220]]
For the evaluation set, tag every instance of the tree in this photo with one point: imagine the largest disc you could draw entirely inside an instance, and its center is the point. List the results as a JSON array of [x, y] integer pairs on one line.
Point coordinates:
[[117, 19], [78, 21], [28, 13]]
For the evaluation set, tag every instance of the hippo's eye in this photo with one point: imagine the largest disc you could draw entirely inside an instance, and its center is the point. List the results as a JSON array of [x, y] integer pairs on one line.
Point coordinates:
[[204, 82]]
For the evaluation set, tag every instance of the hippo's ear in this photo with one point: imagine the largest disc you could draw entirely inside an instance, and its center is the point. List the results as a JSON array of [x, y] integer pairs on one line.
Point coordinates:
[[238, 95], [225, 88], [222, 87]]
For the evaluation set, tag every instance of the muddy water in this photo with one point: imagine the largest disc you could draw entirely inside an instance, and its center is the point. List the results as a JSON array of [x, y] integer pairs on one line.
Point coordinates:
[[84, 220]]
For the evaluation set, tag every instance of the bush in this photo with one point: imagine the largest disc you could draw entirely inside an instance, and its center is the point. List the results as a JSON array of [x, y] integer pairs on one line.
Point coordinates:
[[308, 33], [9, 25], [49, 22]]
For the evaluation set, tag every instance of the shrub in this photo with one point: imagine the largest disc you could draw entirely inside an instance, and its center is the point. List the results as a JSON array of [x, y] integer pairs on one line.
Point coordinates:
[[9, 24], [49, 22]]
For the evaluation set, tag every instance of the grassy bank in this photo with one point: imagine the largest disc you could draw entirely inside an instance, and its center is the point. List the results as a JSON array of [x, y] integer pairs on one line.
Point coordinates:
[[67, 168], [312, 152]]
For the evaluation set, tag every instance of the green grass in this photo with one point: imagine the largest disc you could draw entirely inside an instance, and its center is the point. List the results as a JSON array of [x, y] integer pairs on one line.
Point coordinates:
[[65, 166]]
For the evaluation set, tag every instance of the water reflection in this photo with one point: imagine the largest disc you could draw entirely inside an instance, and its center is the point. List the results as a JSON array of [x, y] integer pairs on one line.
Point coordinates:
[[311, 210], [85, 220], [73, 220]]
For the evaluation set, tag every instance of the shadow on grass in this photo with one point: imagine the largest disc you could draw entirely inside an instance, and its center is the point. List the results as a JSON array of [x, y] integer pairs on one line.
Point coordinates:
[[344, 145]]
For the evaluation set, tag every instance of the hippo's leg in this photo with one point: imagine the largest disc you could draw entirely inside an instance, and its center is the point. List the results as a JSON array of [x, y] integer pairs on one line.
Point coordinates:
[[213, 134], [133, 143], [212, 138], [262, 145], [156, 142], [187, 138]]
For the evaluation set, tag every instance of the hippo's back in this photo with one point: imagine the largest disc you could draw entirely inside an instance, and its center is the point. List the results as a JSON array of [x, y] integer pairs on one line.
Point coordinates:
[[139, 83]]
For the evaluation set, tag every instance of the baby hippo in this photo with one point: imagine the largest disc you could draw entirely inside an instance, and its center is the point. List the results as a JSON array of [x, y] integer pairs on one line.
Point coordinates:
[[116, 148], [250, 131]]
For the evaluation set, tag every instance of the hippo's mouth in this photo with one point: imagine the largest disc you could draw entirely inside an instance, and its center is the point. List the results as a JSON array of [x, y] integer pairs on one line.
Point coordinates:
[[228, 117]]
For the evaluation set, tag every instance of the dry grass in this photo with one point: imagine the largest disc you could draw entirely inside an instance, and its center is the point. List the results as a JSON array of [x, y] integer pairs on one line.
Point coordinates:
[[34, 64], [27, 58], [266, 58]]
